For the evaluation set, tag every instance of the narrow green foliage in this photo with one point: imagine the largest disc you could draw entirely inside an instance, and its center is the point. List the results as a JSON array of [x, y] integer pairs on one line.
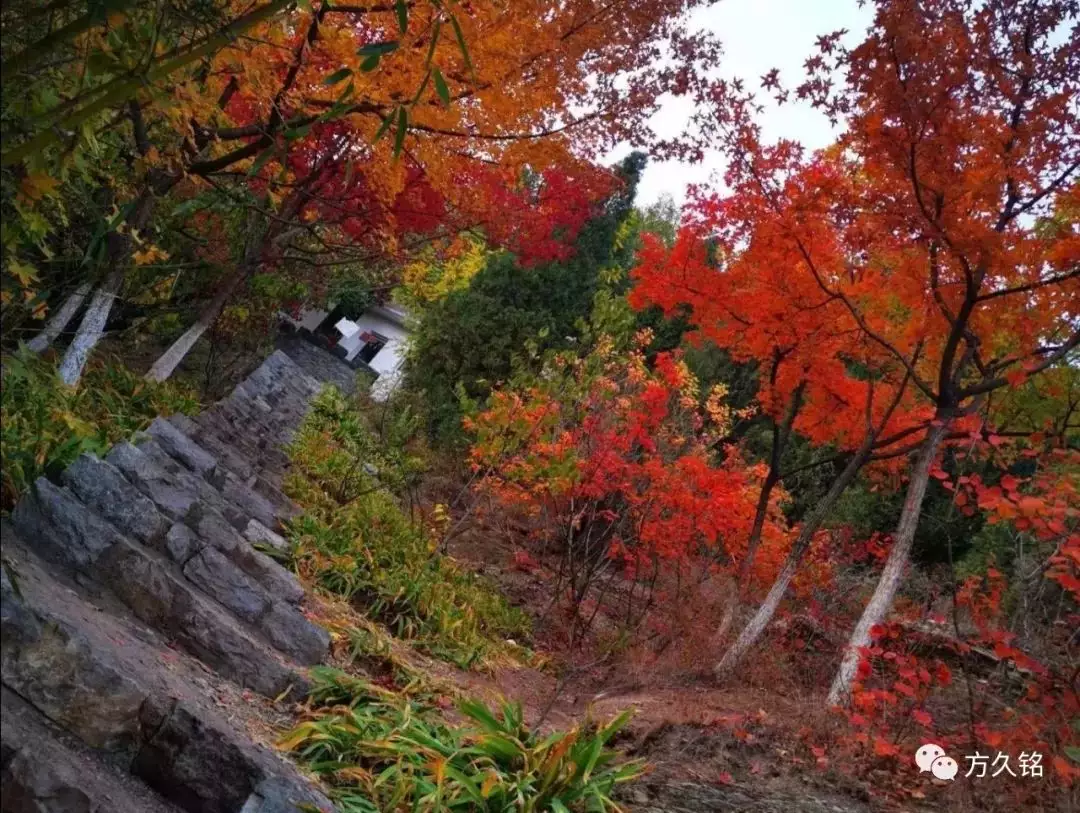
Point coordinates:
[[387, 751], [355, 541], [45, 425]]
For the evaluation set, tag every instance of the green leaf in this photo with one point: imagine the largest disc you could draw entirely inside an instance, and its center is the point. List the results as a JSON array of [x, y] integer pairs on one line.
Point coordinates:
[[188, 207], [423, 86], [378, 48], [297, 132], [370, 63], [477, 711], [337, 76], [402, 10], [1073, 752], [461, 43], [440, 86], [402, 129], [434, 40], [383, 128], [260, 162]]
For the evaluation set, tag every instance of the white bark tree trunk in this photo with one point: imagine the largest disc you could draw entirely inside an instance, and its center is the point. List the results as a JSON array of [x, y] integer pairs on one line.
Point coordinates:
[[780, 435], [90, 328], [893, 573], [97, 312], [764, 615], [168, 361], [60, 319]]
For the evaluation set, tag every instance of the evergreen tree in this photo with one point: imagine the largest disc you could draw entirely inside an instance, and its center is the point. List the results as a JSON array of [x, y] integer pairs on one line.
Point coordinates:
[[469, 341]]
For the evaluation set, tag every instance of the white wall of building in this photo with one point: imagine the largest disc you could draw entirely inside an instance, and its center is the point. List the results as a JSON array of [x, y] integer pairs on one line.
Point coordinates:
[[387, 322]]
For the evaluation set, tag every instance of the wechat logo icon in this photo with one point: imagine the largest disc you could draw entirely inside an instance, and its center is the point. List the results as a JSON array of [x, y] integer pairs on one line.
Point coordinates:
[[931, 757]]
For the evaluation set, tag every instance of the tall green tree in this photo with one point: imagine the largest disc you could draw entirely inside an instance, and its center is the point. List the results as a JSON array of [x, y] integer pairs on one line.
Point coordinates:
[[471, 340]]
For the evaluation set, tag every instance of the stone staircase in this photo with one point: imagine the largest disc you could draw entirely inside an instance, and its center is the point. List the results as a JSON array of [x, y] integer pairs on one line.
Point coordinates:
[[139, 613]]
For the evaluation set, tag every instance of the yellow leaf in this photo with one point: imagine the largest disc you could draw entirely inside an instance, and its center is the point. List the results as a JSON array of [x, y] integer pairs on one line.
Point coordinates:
[[24, 273], [36, 185]]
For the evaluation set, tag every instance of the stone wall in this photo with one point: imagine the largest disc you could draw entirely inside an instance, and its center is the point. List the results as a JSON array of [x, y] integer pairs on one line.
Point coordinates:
[[140, 610]]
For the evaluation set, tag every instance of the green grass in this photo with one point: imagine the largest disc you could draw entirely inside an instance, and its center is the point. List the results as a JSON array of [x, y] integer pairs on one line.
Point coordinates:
[[44, 424], [355, 540], [385, 751]]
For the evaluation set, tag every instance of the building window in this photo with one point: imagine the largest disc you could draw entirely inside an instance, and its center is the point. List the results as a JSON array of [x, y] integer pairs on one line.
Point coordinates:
[[373, 343]]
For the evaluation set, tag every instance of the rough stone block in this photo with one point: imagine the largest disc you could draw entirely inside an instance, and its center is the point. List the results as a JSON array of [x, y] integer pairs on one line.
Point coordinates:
[[182, 448], [58, 669], [223, 581], [172, 497], [102, 486], [46, 771], [258, 534], [175, 607], [292, 633], [195, 766], [181, 543], [249, 501], [65, 530], [279, 582]]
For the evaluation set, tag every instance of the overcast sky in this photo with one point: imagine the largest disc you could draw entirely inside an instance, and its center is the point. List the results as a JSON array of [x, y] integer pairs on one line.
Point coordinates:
[[758, 35]]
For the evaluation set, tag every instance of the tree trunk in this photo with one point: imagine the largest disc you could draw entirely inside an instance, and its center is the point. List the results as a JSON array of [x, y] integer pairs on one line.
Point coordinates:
[[168, 361], [60, 319], [892, 575], [97, 313], [731, 606], [90, 329], [781, 433], [753, 630]]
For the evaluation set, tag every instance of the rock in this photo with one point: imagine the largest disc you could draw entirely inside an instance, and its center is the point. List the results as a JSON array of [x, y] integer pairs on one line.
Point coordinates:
[[165, 602], [278, 795], [45, 771], [171, 496], [292, 633], [249, 501], [60, 671], [223, 581], [121, 656], [181, 543], [202, 494], [318, 363], [196, 767], [102, 486], [179, 446], [271, 575], [202, 432], [258, 534], [202, 769], [285, 627], [67, 531]]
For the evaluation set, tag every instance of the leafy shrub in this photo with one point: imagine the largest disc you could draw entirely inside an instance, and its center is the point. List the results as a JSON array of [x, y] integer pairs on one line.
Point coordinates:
[[384, 751], [355, 541], [45, 424]]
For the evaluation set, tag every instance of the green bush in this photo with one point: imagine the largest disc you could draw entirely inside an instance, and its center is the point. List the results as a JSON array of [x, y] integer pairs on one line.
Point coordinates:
[[383, 751], [45, 424], [355, 540]]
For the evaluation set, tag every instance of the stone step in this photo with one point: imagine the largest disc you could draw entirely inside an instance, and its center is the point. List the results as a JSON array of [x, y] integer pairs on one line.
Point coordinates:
[[44, 769], [89, 666], [167, 441], [179, 599], [138, 610]]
